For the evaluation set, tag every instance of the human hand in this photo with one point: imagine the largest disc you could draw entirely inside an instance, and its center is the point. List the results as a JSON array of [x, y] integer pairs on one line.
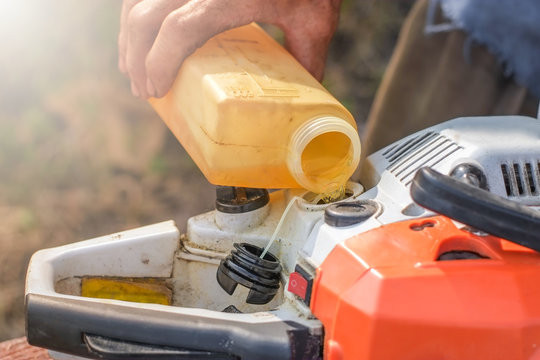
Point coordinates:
[[157, 35]]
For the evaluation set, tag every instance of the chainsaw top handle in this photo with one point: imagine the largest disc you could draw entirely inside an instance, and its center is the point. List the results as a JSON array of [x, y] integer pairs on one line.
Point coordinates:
[[476, 207]]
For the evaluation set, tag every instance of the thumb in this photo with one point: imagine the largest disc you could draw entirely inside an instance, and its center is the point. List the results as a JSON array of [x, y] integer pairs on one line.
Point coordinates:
[[309, 28], [310, 51]]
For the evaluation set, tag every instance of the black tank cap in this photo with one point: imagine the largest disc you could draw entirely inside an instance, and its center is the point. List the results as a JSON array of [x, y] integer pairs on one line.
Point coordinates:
[[349, 213], [236, 200], [244, 266]]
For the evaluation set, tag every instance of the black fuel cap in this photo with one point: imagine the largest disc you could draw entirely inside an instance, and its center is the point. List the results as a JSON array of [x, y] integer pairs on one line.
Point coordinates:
[[236, 200], [349, 213], [245, 267]]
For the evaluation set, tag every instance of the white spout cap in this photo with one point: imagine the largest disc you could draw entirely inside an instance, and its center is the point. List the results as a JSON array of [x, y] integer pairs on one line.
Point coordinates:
[[317, 132]]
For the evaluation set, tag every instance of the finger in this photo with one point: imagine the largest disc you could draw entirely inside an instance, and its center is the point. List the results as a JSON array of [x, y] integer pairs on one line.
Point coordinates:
[[127, 5], [308, 26], [134, 90], [186, 29], [310, 51], [144, 22]]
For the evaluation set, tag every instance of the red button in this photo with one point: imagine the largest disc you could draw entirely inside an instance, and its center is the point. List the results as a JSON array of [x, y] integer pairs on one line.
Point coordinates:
[[298, 285]]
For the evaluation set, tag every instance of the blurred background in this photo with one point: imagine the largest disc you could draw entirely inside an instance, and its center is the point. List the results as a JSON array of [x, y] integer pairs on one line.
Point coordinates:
[[81, 157]]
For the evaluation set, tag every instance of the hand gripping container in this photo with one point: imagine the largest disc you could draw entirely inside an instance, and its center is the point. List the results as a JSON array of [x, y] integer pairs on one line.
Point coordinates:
[[250, 115]]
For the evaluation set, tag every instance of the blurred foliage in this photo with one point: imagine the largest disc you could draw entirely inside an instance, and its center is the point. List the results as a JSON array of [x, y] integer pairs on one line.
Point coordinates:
[[80, 157]]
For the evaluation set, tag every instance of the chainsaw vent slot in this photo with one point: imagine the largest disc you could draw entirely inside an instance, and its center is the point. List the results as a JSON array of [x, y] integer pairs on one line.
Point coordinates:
[[427, 149], [467, 248], [460, 255], [520, 179], [396, 151]]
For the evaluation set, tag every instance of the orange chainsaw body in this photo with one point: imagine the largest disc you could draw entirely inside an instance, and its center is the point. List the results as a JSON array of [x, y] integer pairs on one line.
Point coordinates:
[[385, 294]]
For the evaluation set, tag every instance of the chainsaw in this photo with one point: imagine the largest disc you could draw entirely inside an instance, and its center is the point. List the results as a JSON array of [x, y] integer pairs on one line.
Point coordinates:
[[434, 256]]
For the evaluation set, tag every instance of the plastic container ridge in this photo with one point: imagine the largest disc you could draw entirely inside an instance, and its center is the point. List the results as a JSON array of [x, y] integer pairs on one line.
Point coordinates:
[[250, 115]]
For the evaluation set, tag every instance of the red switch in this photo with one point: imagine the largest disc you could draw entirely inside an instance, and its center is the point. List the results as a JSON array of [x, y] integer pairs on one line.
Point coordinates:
[[298, 285]]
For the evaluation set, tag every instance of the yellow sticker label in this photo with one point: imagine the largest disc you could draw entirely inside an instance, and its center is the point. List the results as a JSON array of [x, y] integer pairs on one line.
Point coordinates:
[[142, 290]]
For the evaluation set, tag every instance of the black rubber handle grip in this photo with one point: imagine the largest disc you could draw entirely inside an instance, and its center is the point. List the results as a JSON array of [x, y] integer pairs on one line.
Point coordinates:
[[107, 348], [478, 208], [113, 331]]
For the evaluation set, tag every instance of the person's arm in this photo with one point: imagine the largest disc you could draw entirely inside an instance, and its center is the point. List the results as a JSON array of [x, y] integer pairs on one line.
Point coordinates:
[[157, 35]]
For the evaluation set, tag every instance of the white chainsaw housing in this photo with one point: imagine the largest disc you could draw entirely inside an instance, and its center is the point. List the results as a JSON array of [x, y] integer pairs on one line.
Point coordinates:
[[506, 149]]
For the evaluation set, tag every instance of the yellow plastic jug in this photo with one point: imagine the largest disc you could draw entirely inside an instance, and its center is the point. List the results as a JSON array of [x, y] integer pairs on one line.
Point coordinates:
[[250, 115]]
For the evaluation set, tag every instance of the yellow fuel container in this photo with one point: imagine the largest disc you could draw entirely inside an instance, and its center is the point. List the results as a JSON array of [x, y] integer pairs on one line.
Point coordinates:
[[250, 115]]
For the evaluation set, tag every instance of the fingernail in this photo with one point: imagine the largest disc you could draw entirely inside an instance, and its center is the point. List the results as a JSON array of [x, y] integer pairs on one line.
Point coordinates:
[[150, 88], [134, 90]]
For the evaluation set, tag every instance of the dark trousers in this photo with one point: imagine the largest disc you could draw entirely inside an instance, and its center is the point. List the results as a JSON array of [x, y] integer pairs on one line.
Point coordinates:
[[429, 80]]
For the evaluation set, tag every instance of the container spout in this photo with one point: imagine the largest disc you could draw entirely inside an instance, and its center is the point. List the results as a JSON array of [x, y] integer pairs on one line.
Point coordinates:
[[323, 154]]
